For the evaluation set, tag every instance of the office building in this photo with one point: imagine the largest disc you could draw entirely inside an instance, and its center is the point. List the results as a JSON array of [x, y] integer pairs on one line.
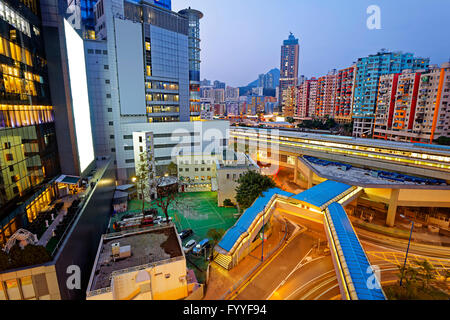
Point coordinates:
[[369, 70], [144, 73], [82, 16], [28, 146], [194, 17], [43, 100], [288, 64]]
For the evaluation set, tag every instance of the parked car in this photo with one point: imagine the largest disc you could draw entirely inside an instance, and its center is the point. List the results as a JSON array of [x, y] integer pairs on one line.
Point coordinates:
[[186, 233], [189, 245], [202, 245], [164, 220]]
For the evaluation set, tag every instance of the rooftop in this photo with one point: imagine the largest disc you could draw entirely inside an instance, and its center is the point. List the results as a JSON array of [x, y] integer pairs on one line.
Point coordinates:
[[322, 193], [149, 245]]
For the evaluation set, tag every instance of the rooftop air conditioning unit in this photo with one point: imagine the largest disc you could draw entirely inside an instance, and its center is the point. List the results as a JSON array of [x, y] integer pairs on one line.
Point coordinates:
[[125, 252], [115, 249]]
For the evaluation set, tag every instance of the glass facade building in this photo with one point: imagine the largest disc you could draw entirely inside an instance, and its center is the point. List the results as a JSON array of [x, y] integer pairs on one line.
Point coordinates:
[[28, 148], [288, 65], [194, 17]]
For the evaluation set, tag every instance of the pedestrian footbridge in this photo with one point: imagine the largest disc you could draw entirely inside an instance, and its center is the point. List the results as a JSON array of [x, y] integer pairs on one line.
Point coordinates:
[[323, 204]]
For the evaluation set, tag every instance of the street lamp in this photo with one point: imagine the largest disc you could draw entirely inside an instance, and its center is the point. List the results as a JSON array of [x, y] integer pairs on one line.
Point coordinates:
[[133, 179], [409, 242]]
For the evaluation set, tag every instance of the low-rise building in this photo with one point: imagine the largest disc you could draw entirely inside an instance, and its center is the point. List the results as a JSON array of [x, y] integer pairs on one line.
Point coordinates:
[[145, 264], [228, 171], [213, 172]]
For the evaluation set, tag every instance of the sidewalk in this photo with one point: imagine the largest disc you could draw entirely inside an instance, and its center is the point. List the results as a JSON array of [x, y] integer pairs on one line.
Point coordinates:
[[221, 281]]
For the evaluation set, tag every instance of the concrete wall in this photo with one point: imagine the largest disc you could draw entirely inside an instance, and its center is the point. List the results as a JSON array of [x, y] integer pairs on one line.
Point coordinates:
[[44, 283]]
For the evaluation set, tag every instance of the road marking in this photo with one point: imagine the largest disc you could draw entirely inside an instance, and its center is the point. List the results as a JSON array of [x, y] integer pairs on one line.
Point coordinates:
[[233, 296], [293, 270], [309, 282], [316, 288], [320, 295]]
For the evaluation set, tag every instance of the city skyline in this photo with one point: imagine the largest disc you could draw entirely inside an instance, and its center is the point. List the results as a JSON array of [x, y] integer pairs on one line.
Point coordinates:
[[252, 47]]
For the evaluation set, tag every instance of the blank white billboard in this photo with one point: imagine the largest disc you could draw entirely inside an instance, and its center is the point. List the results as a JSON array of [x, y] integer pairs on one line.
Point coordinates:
[[80, 99]]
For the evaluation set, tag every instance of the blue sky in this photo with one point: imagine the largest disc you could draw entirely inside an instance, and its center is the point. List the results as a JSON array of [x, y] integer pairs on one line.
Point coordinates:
[[242, 38]]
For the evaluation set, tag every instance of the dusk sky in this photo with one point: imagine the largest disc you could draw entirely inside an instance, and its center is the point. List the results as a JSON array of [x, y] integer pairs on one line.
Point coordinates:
[[242, 38]]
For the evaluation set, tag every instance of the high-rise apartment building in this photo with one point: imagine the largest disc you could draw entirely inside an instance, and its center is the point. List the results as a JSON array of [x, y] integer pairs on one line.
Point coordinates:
[[219, 95], [290, 100], [312, 97], [288, 65], [343, 99], [326, 86], [369, 70], [194, 17], [413, 106], [231, 94], [302, 104]]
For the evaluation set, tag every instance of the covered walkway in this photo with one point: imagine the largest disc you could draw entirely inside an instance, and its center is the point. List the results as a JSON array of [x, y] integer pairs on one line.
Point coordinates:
[[353, 270], [325, 200]]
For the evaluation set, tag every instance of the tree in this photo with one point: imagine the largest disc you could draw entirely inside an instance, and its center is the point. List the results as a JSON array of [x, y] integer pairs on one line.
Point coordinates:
[[214, 235], [290, 119], [166, 195], [172, 169], [144, 177], [251, 185], [228, 203], [443, 140], [426, 273]]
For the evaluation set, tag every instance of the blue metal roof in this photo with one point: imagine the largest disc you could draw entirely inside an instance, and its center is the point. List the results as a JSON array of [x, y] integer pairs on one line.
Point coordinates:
[[354, 255], [322, 193], [244, 222]]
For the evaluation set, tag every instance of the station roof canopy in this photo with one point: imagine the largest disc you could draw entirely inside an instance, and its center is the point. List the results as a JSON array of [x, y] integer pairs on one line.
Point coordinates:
[[322, 193]]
